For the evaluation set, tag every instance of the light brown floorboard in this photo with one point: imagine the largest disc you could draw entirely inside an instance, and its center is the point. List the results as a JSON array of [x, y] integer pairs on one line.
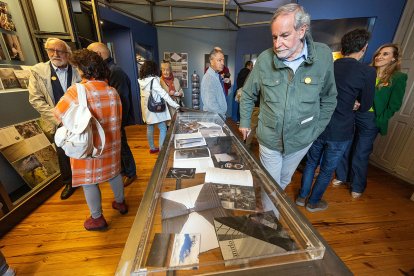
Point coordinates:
[[372, 235]]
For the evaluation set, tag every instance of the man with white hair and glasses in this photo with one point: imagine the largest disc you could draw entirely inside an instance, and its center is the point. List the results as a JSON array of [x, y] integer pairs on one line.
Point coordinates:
[[48, 82]]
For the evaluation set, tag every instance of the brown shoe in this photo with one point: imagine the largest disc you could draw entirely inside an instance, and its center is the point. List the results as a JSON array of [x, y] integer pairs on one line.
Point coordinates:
[[97, 224], [121, 207], [128, 180]]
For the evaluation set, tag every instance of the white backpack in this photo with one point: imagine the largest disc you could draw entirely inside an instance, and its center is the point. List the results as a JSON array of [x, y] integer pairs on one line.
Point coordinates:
[[75, 137]]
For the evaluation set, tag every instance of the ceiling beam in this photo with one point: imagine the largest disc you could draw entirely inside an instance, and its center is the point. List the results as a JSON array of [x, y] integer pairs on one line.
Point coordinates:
[[190, 18]]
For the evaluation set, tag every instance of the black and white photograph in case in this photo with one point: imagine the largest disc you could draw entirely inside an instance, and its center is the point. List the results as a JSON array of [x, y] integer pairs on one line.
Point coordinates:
[[29, 129], [23, 77], [236, 197], [192, 153], [6, 21], [32, 171], [13, 47], [188, 127], [251, 236], [8, 78], [231, 165], [181, 173]]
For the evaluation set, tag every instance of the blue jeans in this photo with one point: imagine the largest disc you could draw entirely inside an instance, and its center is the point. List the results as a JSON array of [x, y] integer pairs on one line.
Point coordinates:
[[150, 134], [327, 154], [128, 167], [354, 165], [281, 166]]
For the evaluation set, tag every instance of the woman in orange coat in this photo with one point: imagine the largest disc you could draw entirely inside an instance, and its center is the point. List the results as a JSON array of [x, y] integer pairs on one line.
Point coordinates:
[[105, 105]]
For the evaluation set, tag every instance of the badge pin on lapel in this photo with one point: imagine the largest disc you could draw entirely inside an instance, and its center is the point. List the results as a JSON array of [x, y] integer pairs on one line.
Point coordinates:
[[308, 80]]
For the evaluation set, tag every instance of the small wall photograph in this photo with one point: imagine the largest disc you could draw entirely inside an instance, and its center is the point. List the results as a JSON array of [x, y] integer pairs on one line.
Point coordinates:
[[6, 21], [13, 47]]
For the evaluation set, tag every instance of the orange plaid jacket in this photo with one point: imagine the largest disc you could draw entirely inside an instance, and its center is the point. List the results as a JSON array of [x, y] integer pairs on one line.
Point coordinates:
[[105, 105]]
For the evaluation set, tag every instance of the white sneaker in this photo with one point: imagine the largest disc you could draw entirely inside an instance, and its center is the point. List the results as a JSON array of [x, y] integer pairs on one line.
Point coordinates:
[[337, 182], [356, 195]]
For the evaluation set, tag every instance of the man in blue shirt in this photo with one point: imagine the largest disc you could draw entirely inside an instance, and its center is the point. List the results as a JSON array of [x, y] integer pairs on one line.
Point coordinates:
[[212, 85]]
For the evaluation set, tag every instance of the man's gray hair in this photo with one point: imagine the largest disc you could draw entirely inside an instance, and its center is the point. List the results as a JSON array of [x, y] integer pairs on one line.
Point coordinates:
[[301, 17], [53, 39], [214, 53]]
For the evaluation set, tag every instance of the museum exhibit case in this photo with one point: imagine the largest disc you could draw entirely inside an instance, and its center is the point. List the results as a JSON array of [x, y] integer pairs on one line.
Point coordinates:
[[211, 208]]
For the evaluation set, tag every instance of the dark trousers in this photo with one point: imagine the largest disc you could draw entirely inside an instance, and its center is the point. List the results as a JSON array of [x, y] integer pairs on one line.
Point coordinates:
[[354, 165], [64, 161], [128, 167]]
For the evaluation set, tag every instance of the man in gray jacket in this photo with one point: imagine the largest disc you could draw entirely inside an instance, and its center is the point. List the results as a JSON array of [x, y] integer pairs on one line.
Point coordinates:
[[297, 90], [48, 82]]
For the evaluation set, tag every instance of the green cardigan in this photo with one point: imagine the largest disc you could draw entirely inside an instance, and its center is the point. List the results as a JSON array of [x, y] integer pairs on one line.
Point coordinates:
[[388, 100]]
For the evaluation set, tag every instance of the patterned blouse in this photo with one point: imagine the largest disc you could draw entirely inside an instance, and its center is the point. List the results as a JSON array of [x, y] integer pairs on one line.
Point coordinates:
[[105, 105]]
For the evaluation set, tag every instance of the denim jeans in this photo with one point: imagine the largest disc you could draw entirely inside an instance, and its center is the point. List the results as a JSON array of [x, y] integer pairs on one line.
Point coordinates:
[[280, 166], [327, 154], [354, 165], [150, 134], [128, 167]]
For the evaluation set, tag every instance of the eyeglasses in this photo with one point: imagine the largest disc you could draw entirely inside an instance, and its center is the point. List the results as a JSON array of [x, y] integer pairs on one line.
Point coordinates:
[[59, 52]]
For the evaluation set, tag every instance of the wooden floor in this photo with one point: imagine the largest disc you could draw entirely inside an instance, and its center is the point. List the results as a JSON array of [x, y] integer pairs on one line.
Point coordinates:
[[372, 235]]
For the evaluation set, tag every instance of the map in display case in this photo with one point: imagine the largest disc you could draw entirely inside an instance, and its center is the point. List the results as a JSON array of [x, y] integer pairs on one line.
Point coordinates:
[[225, 197]]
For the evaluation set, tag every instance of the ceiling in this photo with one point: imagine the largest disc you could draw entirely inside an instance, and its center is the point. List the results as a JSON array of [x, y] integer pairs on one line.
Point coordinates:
[[202, 14]]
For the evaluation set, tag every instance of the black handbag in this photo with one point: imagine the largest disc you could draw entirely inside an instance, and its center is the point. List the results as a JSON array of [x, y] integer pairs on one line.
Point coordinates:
[[153, 105]]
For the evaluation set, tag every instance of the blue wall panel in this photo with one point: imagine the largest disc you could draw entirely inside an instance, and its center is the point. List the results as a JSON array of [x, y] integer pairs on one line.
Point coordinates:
[[131, 31]]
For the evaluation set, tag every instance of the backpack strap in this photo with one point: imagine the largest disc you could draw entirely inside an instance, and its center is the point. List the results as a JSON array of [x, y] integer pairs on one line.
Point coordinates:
[[101, 133], [83, 101], [80, 88]]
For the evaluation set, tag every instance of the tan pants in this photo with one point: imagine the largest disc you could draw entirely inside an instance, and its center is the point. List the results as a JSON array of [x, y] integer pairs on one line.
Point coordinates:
[[253, 125]]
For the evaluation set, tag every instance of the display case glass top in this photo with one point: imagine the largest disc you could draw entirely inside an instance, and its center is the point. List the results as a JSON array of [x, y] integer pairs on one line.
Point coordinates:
[[210, 207]]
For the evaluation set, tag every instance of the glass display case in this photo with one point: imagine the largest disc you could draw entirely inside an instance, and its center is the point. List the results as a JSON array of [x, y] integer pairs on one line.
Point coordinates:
[[210, 207]]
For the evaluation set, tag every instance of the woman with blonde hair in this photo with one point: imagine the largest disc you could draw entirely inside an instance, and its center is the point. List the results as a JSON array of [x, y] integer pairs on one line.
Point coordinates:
[[389, 95]]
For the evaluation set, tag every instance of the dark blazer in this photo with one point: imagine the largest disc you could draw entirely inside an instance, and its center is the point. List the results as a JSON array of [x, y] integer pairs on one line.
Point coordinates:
[[354, 81], [121, 82], [388, 100]]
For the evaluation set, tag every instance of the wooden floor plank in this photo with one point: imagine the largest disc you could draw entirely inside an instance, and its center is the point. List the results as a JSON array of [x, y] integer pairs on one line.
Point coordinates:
[[374, 234]]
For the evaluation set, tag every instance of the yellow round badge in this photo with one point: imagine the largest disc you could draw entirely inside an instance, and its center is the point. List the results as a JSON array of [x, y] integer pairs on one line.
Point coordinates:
[[54, 78], [308, 80]]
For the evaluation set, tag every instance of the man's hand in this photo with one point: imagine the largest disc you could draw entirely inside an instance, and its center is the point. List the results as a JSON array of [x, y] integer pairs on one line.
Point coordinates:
[[245, 132], [356, 105]]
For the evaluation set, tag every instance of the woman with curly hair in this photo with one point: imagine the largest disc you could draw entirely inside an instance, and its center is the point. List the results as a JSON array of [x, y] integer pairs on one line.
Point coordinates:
[[149, 82], [105, 105]]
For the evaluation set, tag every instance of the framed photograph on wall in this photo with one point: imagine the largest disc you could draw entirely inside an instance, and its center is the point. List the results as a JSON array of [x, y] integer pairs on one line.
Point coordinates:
[[179, 65], [6, 22], [13, 47]]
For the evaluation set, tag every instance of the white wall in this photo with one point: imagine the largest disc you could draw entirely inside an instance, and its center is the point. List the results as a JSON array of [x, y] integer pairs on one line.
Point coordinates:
[[197, 43]]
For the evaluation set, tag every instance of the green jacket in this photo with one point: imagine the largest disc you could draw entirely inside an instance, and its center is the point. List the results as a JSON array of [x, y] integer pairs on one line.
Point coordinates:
[[388, 100], [294, 107]]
